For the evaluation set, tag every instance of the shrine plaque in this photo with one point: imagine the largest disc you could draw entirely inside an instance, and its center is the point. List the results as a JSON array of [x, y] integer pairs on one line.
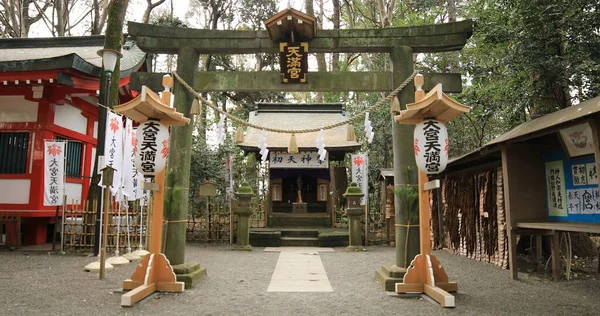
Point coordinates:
[[293, 62]]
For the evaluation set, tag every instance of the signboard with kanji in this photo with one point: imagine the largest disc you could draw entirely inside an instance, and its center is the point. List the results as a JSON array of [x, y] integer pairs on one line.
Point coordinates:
[[308, 159], [572, 193], [293, 62]]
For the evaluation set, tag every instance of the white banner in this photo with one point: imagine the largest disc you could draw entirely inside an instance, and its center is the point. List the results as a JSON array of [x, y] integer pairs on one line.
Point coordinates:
[[360, 174], [308, 159], [54, 173], [128, 189], [113, 149], [138, 177]]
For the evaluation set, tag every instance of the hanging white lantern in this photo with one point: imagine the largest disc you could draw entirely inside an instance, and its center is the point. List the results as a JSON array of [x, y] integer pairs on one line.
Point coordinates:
[[431, 146], [152, 147]]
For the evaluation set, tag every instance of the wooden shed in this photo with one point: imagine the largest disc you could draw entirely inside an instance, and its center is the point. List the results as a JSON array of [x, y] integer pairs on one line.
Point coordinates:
[[544, 177]]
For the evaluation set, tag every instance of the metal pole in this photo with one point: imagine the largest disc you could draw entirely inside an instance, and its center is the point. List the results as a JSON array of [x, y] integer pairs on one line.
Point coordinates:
[[100, 153]]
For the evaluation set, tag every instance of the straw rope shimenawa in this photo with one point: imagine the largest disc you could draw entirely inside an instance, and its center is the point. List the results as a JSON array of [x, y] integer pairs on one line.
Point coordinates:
[[360, 115]]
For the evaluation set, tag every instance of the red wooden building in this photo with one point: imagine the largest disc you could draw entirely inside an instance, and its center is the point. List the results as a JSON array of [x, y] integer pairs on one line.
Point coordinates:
[[49, 91]]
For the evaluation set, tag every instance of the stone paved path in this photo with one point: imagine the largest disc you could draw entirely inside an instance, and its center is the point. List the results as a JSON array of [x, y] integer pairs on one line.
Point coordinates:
[[299, 269]]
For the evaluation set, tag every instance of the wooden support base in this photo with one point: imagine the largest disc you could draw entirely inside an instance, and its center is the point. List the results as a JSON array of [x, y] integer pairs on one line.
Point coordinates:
[[153, 273], [426, 275]]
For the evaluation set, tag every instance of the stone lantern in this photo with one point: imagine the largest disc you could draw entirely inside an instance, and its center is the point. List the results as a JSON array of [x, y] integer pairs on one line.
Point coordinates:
[[243, 210], [354, 211]]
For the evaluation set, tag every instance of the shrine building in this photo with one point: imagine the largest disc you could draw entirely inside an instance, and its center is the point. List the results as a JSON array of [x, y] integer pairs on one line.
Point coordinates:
[[49, 91], [299, 183]]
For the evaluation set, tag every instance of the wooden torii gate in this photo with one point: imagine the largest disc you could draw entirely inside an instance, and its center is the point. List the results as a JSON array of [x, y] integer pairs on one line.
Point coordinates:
[[399, 43]]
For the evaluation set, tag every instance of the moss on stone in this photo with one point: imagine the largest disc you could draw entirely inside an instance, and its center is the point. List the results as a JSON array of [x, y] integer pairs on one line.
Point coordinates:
[[244, 189], [353, 190]]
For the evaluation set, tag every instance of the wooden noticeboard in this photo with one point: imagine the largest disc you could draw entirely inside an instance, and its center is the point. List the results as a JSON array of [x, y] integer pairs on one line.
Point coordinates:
[[207, 188]]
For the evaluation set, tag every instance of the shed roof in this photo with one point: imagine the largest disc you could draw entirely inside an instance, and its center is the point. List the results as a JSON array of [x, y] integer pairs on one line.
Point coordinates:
[[78, 52], [547, 121], [540, 126], [299, 116], [386, 173]]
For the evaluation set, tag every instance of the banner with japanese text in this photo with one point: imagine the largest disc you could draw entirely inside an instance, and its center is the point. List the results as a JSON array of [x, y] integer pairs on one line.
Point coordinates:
[[113, 149], [360, 173], [54, 173], [307, 159]]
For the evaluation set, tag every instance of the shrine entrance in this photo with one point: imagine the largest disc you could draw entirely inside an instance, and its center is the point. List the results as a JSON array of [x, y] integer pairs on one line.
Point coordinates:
[[399, 43], [299, 183]]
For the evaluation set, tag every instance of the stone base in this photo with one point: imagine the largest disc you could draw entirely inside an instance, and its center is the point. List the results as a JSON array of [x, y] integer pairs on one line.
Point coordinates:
[[265, 238], [389, 275], [334, 239], [354, 248], [243, 248], [189, 273]]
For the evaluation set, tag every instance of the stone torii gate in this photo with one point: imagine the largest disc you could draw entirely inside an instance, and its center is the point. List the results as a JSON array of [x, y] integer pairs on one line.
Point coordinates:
[[399, 43]]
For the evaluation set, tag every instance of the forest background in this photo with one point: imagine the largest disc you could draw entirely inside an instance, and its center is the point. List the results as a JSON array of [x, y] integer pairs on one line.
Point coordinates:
[[526, 58]]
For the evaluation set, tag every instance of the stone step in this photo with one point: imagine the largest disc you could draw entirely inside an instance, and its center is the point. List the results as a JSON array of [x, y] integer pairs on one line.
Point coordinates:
[[300, 241], [300, 233]]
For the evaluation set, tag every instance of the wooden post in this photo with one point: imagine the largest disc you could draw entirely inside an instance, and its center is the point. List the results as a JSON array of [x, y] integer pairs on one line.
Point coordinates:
[[426, 273], [157, 213], [555, 251], [55, 229], [155, 273], [425, 230]]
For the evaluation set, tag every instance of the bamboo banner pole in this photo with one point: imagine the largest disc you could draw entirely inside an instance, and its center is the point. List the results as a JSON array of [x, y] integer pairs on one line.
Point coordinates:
[[424, 226], [106, 206]]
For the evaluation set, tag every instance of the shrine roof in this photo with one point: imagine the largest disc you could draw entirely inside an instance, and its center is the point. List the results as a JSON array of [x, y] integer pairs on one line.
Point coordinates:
[[78, 53], [289, 116]]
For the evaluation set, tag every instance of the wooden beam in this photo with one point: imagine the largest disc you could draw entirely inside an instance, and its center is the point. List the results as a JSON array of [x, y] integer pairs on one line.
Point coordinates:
[[270, 81], [409, 288], [422, 39], [444, 298], [137, 294]]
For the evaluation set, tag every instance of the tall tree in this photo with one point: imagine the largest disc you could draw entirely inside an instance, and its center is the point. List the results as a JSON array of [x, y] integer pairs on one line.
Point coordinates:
[[150, 6], [113, 40], [17, 16]]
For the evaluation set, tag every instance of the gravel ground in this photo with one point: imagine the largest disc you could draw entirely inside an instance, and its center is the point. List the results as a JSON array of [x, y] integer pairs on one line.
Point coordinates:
[[51, 284]]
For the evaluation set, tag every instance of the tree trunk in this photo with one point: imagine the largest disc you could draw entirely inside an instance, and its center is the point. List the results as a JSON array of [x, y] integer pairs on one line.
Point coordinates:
[[113, 39], [61, 17], [150, 7], [335, 57]]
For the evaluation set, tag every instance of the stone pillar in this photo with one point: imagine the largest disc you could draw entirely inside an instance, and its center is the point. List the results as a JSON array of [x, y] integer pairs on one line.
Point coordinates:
[[179, 162], [243, 210], [354, 211], [405, 169], [405, 173]]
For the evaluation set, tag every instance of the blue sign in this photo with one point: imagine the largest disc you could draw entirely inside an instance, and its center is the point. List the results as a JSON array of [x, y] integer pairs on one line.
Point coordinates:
[[572, 193]]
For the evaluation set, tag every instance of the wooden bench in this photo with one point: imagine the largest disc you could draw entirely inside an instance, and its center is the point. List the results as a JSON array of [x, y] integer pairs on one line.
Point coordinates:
[[549, 228]]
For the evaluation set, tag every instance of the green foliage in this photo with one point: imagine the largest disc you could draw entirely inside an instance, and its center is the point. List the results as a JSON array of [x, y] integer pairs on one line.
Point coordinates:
[[409, 199]]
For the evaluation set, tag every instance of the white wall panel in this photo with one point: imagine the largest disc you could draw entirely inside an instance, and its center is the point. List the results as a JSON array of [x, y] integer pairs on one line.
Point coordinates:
[[71, 118], [17, 109], [14, 191]]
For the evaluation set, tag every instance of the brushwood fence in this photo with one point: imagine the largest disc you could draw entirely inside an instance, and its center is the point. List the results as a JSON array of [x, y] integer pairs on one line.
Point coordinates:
[[474, 216]]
